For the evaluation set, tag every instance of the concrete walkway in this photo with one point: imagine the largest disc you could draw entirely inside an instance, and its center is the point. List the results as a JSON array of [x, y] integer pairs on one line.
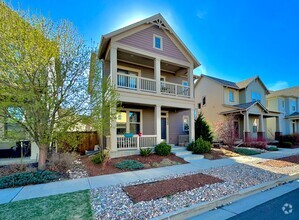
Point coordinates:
[[54, 188]]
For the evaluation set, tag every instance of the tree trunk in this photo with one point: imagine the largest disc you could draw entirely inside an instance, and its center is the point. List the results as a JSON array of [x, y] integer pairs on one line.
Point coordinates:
[[43, 150]]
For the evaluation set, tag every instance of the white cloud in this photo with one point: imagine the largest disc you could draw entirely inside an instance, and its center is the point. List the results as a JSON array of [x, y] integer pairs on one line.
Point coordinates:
[[200, 70], [201, 14], [278, 85]]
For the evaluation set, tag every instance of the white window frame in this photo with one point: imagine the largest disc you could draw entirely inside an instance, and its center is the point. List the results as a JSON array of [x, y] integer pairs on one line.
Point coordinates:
[[154, 42], [233, 96], [186, 117]]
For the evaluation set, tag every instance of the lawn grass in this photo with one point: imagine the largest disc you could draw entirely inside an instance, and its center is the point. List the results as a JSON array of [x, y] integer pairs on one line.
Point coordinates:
[[64, 206]]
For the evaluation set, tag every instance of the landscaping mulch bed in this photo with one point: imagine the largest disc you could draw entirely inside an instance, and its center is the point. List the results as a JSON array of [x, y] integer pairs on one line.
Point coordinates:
[[282, 162], [109, 168], [221, 153], [148, 191]]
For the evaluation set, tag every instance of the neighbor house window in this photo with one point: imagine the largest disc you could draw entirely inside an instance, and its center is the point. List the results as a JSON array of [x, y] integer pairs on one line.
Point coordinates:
[[231, 96], [255, 96], [282, 103], [158, 42], [128, 122], [185, 123], [204, 101], [293, 106], [199, 105], [254, 127], [186, 85]]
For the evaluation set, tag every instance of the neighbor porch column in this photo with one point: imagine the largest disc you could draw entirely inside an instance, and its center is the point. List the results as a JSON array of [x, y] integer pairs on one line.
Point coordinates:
[[278, 128], [190, 81], [246, 127], [158, 123], [261, 131], [113, 72], [157, 72], [191, 125]]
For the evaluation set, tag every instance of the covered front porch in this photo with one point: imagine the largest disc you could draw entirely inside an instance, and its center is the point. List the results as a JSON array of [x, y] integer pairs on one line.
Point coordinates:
[[250, 121], [140, 126]]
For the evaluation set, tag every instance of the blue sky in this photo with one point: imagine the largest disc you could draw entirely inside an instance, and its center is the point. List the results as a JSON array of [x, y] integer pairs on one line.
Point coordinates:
[[232, 39]]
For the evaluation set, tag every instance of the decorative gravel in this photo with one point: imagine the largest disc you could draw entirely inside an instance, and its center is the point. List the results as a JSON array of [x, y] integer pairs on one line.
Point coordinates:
[[78, 170], [113, 203]]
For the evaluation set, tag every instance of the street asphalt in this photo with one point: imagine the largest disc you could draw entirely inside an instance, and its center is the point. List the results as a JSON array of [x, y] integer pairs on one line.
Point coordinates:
[[283, 207]]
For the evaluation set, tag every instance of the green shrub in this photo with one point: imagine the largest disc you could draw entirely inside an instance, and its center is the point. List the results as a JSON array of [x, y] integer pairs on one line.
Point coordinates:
[[99, 157], [244, 151], [286, 144], [146, 152], [163, 149], [202, 129], [129, 165], [191, 146], [272, 148], [28, 178], [255, 144], [202, 146]]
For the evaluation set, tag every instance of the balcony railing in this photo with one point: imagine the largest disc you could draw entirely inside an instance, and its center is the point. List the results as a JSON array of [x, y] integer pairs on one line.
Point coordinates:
[[149, 85], [133, 143]]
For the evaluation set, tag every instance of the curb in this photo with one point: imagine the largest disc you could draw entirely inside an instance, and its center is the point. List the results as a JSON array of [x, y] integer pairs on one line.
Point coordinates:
[[197, 209]]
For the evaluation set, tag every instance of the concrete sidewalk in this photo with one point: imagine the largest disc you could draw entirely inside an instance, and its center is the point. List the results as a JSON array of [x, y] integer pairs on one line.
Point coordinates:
[[54, 188]]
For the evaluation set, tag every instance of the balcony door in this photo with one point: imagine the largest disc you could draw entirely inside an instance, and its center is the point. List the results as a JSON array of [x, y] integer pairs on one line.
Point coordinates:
[[127, 79]]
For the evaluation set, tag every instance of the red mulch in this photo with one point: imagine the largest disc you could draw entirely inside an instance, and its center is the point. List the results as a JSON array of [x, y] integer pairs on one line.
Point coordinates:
[[282, 162], [148, 191], [109, 168]]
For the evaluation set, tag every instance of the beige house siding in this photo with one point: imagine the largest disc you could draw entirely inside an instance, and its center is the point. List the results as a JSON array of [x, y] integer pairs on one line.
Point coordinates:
[[256, 86], [176, 125], [148, 121], [214, 94]]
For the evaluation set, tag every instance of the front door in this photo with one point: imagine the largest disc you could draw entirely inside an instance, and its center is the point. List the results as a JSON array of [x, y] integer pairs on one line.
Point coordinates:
[[164, 129]]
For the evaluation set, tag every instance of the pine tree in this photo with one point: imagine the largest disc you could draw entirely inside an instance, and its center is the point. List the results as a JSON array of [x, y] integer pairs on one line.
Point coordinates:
[[202, 129]]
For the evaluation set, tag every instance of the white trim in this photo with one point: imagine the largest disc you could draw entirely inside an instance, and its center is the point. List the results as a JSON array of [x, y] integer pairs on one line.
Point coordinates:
[[186, 116], [164, 78], [154, 42], [167, 125]]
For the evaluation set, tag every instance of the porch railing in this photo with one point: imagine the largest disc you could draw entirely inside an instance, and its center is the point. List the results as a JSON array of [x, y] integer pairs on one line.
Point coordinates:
[[133, 143], [149, 85]]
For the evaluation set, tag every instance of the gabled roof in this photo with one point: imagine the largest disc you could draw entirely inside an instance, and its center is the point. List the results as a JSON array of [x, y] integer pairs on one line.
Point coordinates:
[[294, 115], [230, 84], [221, 81], [158, 20], [244, 107], [290, 92]]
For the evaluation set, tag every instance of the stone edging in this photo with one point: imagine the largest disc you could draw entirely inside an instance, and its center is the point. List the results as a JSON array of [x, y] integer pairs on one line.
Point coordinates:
[[197, 209]]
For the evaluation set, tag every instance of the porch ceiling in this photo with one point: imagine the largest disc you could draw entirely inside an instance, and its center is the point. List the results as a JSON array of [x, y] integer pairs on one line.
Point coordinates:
[[139, 60], [140, 105]]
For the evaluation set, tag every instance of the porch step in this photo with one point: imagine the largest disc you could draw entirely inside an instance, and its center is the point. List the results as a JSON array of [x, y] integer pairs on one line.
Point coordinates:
[[181, 152], [192, 157], [175, 148]]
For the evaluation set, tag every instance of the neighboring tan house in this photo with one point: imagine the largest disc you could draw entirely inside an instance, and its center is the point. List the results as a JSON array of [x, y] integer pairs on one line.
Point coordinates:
[[152, 70], [285, 101], [246, 100]]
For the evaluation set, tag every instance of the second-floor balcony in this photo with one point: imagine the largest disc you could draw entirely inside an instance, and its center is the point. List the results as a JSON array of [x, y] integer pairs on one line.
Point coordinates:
[[147, 85]]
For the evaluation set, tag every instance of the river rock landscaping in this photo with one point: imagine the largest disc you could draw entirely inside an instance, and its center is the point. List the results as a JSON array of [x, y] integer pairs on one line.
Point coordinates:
[[113, 202]]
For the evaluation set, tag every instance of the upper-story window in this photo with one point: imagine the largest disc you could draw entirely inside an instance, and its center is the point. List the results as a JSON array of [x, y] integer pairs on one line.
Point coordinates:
[[255, 96], [158, 42], [282, 103], [231, 96], [293, 106]]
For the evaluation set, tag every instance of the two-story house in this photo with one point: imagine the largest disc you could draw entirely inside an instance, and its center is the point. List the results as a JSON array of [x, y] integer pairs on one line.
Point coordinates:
[[217, 98], [152, 70], [285, 101]]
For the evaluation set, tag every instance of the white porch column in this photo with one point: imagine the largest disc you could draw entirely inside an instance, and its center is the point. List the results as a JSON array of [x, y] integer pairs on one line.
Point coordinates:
[[191, 125], [157, 71], [190, 81], [158, 123], [113, 72], [278, 129], [246, 122], [113, 64], [261, 123]]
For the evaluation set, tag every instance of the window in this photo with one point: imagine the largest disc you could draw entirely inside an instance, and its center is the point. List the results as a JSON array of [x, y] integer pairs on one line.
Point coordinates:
[[255, 96], [185, 89], [282, 103], [199, 105], [204, 101], [129, 121], [185, 123], [127, 79], [231, 96], [158, 42], [254, 127]]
